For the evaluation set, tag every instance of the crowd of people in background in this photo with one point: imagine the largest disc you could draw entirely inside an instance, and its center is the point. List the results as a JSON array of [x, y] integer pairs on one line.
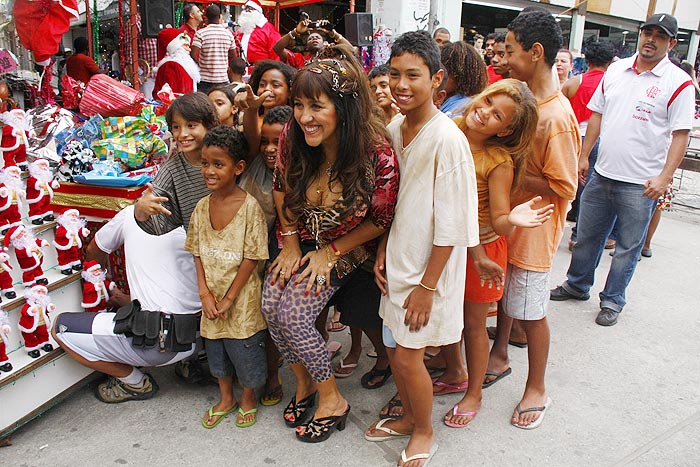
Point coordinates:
[[414, 200]]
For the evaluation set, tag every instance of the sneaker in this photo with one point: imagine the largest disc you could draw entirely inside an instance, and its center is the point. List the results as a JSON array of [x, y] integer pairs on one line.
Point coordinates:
[[560, 294], [114, 391], [646, 252], [607, 317]]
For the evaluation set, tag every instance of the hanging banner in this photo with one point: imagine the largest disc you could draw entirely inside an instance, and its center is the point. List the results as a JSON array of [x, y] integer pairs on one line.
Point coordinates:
[[8, 62]]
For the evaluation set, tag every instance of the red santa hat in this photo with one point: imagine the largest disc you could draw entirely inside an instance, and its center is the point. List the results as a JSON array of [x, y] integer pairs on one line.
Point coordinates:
[[38, 288], [68, 212], [12, 233], [255, 4], [92, 265], [165, 38]]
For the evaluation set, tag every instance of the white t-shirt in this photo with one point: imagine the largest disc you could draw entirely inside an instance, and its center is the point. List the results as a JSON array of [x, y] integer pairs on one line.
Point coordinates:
[[437, 205], [639, 112], [161, 274]]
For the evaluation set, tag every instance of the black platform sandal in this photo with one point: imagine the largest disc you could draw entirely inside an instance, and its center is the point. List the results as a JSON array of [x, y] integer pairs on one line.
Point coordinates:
[[320, 429], [300, 410]]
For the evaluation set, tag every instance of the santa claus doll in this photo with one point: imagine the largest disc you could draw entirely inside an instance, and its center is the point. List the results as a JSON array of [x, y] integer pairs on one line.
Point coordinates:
[[40, 186], [176, 67], [34, 320], [5, 364], [68, 240], [5, 277], [256, 35], [40, 25], [28, 253], [11, 194], [96, 288], [15, 137]]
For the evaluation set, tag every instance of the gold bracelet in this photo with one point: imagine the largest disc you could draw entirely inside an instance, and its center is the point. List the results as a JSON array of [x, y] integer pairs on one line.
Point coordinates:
[[338, 38], [430, 289]]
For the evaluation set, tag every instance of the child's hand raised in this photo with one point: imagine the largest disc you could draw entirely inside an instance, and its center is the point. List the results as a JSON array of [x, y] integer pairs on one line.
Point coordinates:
[[248, 100], [149, 204], [525, 214]]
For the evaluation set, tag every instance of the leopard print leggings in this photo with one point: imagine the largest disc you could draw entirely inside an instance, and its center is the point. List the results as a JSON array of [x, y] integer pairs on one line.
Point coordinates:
[[291, 317]]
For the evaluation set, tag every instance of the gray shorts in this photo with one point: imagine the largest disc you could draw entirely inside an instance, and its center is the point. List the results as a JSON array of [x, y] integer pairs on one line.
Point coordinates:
[[526, 294], [246, 356], [91, 335]]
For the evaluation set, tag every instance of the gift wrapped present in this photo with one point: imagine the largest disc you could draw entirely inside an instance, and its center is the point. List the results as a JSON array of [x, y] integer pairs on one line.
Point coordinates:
[[134, 152], [98, 201], [110, 98], [47, 121]]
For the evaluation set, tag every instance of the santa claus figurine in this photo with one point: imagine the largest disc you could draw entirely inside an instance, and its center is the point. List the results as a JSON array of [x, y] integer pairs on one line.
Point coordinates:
[[176, 67], [11, 194], [34, 320], [96, 288], [15, 134], [5, 364], [256, 35], [68, 240], [28, 253], [5, 277], [40, 186]]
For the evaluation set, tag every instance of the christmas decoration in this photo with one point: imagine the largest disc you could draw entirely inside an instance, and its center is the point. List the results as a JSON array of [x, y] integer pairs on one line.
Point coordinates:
[[34, 320], [28, 253], [95, 288], [40, 185]]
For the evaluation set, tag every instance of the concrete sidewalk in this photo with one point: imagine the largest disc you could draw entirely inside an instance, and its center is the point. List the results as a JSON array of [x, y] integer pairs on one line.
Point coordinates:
[[623, 396]]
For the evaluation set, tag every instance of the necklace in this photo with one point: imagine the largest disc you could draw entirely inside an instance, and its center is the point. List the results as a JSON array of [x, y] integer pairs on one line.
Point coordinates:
[[319, 191]]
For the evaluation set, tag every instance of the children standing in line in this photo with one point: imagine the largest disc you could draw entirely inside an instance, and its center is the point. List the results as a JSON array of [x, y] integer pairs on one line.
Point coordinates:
[[228, 237], [499, 125], [421, 265]]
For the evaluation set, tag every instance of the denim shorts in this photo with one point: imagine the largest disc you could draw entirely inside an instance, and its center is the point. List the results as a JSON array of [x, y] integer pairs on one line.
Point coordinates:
[[388, 338], [246, 356]]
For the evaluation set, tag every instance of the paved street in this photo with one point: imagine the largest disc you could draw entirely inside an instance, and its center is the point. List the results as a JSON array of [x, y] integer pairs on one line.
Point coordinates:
[[623, 396]]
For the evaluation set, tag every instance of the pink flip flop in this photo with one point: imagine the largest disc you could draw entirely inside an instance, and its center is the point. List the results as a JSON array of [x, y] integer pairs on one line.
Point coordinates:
[[441, 388], [452, 424]]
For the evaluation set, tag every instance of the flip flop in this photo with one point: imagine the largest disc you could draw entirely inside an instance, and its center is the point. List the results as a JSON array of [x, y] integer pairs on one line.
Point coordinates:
[[441, 388], [372, 354], [498, 377], [335, 326], [341, 366], [491, 330], [333, 349], [273, 396], [425, 455], [452, 424], [538, 421], [374, 373], [390, 434], [221, 416], [393, 402], [243, 414]]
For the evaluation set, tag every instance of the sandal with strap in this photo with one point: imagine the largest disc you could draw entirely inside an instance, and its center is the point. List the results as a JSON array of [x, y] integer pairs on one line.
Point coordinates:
[[273, 396], [221, 414], [393, 403], [320, 429], [299, 410], [375, 373], [243, 414], [425, 455]]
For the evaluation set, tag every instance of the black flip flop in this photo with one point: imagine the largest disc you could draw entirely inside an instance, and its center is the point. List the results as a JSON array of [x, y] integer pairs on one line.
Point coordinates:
[[393, 402], [373, 373], [499, 376]]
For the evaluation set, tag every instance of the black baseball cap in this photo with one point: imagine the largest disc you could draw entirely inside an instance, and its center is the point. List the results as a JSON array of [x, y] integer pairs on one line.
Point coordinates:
[[666, 22]]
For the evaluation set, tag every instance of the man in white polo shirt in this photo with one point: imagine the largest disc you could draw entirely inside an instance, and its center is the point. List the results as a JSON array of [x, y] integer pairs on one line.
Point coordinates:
[[213, 48], [643, 111]]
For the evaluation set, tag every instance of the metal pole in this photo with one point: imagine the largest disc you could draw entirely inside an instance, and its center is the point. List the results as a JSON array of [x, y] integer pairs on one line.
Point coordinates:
[[133, 8], [89, 27]]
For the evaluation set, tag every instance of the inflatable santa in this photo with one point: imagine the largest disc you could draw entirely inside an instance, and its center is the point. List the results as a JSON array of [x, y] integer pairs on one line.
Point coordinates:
[[5, 277], [40, 25], [256, 35], [40, 186], [28, 253], [5, 364], [15, 134], [68, 240], [34, 320], [11, 194], [96, 288], [176, 67]]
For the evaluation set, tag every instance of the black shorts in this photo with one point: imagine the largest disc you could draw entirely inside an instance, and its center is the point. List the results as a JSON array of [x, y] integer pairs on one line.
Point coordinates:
[[358, 300]]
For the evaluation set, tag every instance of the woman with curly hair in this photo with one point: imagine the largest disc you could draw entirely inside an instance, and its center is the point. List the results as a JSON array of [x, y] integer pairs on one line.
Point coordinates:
[[466, 76], [335, 187]]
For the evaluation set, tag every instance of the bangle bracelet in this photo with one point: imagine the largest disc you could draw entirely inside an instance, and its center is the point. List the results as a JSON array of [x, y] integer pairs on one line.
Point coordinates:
[[292, 36], [289, 234], [338, 38], [335, 249], [430, 289]]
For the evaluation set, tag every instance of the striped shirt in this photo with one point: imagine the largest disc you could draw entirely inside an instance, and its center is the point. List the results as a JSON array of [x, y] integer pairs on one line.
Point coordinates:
[[214, 43], [182, 183]]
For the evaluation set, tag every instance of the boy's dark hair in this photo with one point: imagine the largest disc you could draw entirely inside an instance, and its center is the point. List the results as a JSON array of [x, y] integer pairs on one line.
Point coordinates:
[[441, 31], [418, 43], [80, 45], [230, 140], [492, 36], [599, 53], [193, 107], [538, 26], [238, 66], [380, 70], [499, 37], [280, 114], [264, 65], [443, 83], [466, 68], [213, 14]]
